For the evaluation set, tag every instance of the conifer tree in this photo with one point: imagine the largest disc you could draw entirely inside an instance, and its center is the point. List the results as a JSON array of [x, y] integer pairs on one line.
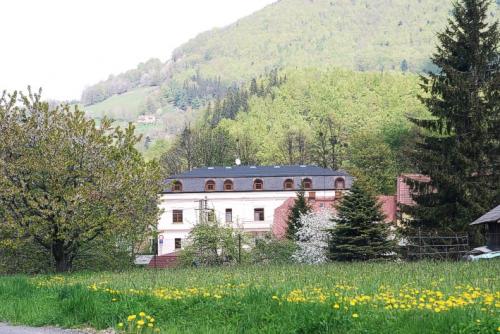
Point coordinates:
[[360, 232], [300, 207], [458, 147]]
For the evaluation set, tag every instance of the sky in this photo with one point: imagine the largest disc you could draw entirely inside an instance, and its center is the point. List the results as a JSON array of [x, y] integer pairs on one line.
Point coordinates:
[[65, 45]]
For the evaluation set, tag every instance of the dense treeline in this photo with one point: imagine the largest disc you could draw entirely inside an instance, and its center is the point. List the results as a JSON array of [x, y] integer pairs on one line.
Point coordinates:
[[362, 35], [151, 73], [334, 118]]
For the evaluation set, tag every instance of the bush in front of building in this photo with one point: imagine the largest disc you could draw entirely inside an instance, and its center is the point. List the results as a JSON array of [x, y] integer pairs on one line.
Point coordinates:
[[270, 250], [210, 244]]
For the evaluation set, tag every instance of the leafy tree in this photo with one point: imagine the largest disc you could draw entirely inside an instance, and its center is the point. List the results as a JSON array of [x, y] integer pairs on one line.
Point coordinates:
[[300, 207], [459, 146], [65, 183], [313, 237], [329, 144], [360, 232], [373, 160]]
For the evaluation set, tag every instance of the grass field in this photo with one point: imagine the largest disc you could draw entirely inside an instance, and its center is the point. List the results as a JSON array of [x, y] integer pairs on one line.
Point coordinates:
[[419, 297]]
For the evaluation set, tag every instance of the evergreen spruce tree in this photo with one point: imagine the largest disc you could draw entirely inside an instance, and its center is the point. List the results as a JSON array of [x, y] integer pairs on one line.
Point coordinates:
[[299, 208], [360, 232], [458, 147]]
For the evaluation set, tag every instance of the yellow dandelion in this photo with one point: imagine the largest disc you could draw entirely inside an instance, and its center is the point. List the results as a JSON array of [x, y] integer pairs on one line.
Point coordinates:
[[355, 315], [120, 325], [140, 322], [142, 314], [131, 317], [437, 310], [150, 325], [336, 306]]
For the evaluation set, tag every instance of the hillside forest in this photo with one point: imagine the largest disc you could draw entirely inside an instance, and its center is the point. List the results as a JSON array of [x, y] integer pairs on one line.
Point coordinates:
[[317, 81]]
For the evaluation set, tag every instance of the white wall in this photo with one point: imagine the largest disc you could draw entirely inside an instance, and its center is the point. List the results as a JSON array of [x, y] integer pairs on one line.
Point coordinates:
[[242, 204]]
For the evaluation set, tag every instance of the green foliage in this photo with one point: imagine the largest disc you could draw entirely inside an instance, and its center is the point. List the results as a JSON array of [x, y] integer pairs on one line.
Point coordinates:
[[197, 147], [360, 232], [300, 207], [459, 145], [330, 118], [65, 183], [361, 35], [364, 35], [371, 158], [270, 250], [210, 244]]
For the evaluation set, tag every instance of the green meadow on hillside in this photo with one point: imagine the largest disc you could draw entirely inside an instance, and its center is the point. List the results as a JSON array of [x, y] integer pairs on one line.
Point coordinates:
[[127, 106], [419, 297]]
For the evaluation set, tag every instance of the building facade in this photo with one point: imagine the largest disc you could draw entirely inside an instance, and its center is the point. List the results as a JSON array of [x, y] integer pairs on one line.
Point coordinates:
[[250, 198]]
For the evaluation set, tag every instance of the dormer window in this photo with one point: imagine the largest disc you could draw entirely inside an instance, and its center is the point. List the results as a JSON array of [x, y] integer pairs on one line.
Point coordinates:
[[339, 183], [228, 185], [177, 186], [307, 184], [258, 184], [210, 185], [288, 184]]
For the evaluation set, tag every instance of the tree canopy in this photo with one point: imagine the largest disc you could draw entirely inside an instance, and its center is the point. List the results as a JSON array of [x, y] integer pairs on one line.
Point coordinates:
[[65, 182], [459, 144]]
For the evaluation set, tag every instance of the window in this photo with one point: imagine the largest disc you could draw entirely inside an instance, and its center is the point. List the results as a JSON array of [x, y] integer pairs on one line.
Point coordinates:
[[177, 186], [258, 184], [258, 215], [229, 215], [288, 184], [210, 185], [339, 183], [178, 243], [307, 184], [211, 216], [228, 185], [177, 216]]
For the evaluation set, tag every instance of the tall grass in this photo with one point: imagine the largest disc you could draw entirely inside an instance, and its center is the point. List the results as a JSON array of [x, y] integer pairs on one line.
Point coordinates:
[[241, 298]]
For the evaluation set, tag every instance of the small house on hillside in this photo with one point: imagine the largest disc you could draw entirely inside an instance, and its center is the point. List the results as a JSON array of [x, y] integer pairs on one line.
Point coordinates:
[[491, 220]]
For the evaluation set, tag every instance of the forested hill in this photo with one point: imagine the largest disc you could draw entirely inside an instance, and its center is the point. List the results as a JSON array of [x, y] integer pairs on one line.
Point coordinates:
[[362, 35]]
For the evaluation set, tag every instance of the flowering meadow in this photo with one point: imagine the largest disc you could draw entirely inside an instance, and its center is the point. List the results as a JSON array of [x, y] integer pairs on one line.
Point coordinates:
[[419, 297]]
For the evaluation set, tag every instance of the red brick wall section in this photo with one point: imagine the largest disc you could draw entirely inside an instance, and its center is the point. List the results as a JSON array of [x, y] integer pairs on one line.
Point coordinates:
[[281, 213], [388, 207]]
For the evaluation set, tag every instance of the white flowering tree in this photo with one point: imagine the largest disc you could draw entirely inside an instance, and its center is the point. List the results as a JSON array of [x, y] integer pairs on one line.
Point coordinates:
[[313, 236]]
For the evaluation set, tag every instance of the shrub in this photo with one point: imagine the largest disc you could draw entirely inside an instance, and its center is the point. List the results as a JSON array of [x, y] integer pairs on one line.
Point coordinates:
[[271, 250]]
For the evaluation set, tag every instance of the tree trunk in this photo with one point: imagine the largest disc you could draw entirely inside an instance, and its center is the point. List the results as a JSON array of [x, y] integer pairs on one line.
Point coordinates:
[[63, 260]]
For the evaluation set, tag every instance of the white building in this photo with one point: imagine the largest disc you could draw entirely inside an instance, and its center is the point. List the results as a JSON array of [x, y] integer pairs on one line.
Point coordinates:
[[248, 197]]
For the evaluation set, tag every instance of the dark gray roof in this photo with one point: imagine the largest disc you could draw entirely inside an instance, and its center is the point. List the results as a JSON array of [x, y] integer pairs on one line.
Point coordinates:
[[258, 171], [490, 216]]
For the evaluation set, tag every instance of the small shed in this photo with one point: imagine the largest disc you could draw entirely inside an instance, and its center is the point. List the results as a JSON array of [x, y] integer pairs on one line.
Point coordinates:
[[492, 221]]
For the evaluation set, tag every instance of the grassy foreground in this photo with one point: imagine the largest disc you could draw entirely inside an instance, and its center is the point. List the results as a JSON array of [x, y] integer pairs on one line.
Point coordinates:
[[421, 297]]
